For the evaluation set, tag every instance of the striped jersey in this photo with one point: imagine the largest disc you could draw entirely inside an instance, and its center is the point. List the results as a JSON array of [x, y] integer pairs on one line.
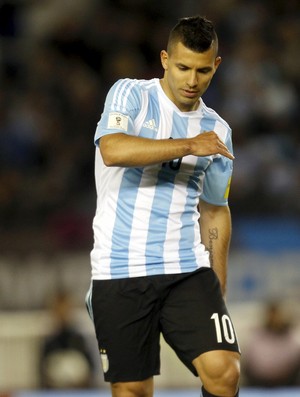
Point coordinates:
[[147, 219]]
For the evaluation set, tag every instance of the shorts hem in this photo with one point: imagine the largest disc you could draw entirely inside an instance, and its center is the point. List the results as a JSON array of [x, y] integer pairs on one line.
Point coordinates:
[[121, 379]]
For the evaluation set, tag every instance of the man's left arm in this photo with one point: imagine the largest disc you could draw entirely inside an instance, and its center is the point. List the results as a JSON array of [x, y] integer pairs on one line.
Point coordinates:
[[215, 229]]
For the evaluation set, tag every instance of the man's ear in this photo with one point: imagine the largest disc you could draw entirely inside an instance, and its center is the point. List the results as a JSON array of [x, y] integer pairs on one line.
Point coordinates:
[[218, 60], [164, 59]]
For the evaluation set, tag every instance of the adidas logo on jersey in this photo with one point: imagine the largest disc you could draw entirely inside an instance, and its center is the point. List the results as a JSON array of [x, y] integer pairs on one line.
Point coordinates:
[[150, 124]]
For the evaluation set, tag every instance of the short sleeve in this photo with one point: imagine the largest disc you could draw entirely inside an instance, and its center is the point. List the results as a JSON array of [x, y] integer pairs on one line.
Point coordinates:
[[218, 178], [122, 105]]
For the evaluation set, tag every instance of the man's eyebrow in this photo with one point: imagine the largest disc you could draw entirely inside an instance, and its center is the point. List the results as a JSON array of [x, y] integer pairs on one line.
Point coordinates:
[[202, 69], [205, 69], [182, 64]]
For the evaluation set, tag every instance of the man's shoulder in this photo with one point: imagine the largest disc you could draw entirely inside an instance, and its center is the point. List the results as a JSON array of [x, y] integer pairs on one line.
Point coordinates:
[[212, 114], [138, 84], [132, 89]]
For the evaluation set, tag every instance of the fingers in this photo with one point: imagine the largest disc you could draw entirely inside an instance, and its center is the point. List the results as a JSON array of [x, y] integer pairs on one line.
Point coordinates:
[[209, 143], [223, 150]]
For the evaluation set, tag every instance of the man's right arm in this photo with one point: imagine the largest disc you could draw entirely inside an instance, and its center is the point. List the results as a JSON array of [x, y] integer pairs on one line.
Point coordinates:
[[123, 150]]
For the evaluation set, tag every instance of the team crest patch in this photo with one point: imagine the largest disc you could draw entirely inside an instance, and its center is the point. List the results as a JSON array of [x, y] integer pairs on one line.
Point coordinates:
[[117, 121], [104, 360]]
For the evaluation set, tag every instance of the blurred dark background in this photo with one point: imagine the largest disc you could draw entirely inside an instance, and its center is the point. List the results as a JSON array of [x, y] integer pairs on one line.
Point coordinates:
[[58, 59]]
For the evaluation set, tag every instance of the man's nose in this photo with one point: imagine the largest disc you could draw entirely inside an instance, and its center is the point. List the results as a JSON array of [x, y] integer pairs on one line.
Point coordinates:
[[192, 80]]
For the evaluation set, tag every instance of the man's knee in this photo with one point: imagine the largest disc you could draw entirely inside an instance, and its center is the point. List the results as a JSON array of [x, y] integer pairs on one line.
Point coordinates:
[[205, 393], [219, 372], [133, 389]]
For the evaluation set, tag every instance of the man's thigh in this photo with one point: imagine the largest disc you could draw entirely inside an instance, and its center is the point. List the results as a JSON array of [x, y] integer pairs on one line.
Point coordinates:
[[195, 318], [126, 318]]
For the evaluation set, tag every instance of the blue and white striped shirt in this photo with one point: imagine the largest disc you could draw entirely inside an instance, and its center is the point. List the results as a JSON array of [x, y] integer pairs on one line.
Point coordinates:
[[146, 222]]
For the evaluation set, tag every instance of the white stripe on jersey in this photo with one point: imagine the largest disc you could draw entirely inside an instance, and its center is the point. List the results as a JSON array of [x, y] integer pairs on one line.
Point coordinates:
[[139, 227], [221, 130], [104, 219]]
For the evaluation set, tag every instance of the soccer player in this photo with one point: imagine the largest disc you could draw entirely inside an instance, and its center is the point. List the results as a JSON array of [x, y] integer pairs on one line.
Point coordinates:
[[162, 226]]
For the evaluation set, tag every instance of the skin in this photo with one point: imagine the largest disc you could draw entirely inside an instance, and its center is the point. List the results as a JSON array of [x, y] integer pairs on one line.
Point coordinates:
[[187, 75], [218, 370], [215, 226]]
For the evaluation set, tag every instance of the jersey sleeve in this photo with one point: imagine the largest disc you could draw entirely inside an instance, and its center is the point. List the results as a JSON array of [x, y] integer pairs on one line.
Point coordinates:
[[122, 105], [218, 178]]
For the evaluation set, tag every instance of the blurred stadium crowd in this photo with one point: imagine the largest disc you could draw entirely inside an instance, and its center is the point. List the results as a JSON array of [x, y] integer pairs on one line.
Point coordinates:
[[59, 57]]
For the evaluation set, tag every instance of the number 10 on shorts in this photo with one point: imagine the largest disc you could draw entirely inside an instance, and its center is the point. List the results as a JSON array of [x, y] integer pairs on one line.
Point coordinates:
[[224, 323]]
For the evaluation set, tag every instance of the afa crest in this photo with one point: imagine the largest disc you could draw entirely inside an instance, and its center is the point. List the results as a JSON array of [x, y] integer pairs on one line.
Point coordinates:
[[104, 360]]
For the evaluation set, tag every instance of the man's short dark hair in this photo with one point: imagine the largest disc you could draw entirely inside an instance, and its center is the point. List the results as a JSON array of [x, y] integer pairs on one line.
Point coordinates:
[[196, 33]]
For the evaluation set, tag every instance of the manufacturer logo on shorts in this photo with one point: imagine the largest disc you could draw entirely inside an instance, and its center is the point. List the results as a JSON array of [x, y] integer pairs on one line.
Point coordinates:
[[104, 360]]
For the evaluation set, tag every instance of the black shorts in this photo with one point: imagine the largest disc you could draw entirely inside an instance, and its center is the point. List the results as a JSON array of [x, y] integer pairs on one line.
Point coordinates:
[[130, 314]]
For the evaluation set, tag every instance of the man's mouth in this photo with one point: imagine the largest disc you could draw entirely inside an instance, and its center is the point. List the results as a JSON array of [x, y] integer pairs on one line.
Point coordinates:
[[190, 93]]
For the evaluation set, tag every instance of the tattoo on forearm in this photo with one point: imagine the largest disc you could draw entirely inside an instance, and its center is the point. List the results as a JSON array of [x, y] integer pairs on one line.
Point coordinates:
[[213, 234]]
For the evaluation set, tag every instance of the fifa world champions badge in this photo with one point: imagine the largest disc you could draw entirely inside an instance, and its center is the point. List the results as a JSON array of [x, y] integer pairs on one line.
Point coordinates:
[[117, 121]]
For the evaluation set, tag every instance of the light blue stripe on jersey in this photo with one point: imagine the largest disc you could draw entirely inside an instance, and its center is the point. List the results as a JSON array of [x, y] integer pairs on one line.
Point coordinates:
[[187, 230], [207, 124], [161, 205], [158, 224], [124, 216]]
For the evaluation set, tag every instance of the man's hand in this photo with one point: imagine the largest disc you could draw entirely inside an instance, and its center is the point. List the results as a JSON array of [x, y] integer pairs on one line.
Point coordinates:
[[208, 143]]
